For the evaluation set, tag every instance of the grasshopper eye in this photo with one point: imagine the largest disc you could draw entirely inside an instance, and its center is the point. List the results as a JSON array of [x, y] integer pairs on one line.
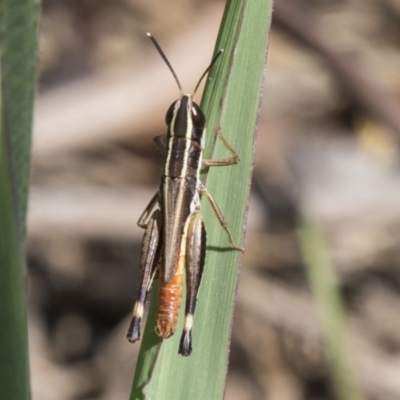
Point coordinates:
[[170, 113], [198, 118]]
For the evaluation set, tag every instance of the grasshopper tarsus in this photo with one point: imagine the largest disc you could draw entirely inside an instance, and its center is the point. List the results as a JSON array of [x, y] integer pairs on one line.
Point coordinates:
[[185, 346], [133, 334]]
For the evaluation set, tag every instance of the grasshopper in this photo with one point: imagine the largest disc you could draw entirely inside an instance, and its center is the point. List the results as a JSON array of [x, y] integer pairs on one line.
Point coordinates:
[[174, 240]]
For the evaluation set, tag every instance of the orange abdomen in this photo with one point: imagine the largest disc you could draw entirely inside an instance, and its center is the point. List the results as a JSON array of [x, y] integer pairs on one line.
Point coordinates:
[[169, 302]]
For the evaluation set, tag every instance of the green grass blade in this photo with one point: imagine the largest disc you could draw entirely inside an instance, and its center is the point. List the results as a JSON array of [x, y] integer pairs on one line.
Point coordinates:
[[325, 289], [18, 26], [13, 338], [18, 41], [235, 82]]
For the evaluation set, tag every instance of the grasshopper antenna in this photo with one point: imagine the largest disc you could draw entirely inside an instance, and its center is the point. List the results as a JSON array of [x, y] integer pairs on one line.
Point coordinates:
[[206, 71], [164, 57]]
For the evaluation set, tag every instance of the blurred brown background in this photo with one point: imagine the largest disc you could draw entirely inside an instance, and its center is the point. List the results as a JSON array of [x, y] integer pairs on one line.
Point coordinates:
[[327, 145]]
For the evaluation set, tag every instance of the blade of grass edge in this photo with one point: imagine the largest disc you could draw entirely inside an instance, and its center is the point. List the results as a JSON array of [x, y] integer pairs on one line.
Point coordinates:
[[236, 82], [18, 30], [18, 27], [13, 338], [324, 287]]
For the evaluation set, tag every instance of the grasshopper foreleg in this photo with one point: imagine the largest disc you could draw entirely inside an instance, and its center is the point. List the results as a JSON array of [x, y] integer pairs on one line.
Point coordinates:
[[148, 212], [161, 142], [222, 162]]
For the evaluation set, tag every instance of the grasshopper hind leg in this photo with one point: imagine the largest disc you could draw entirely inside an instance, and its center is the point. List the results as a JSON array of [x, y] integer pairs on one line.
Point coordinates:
[[150, 254], [195, 258]]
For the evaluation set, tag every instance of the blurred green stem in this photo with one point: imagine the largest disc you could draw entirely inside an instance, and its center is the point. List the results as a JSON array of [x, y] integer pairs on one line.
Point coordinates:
[[14, 370], [18, 46], [324, 287]]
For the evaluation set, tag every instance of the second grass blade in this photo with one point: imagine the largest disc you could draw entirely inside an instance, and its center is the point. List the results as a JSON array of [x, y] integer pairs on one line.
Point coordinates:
[[18, 46]]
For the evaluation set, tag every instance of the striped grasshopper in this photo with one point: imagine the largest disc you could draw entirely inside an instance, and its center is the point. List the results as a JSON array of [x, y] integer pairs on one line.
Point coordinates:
[[175, 237]]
